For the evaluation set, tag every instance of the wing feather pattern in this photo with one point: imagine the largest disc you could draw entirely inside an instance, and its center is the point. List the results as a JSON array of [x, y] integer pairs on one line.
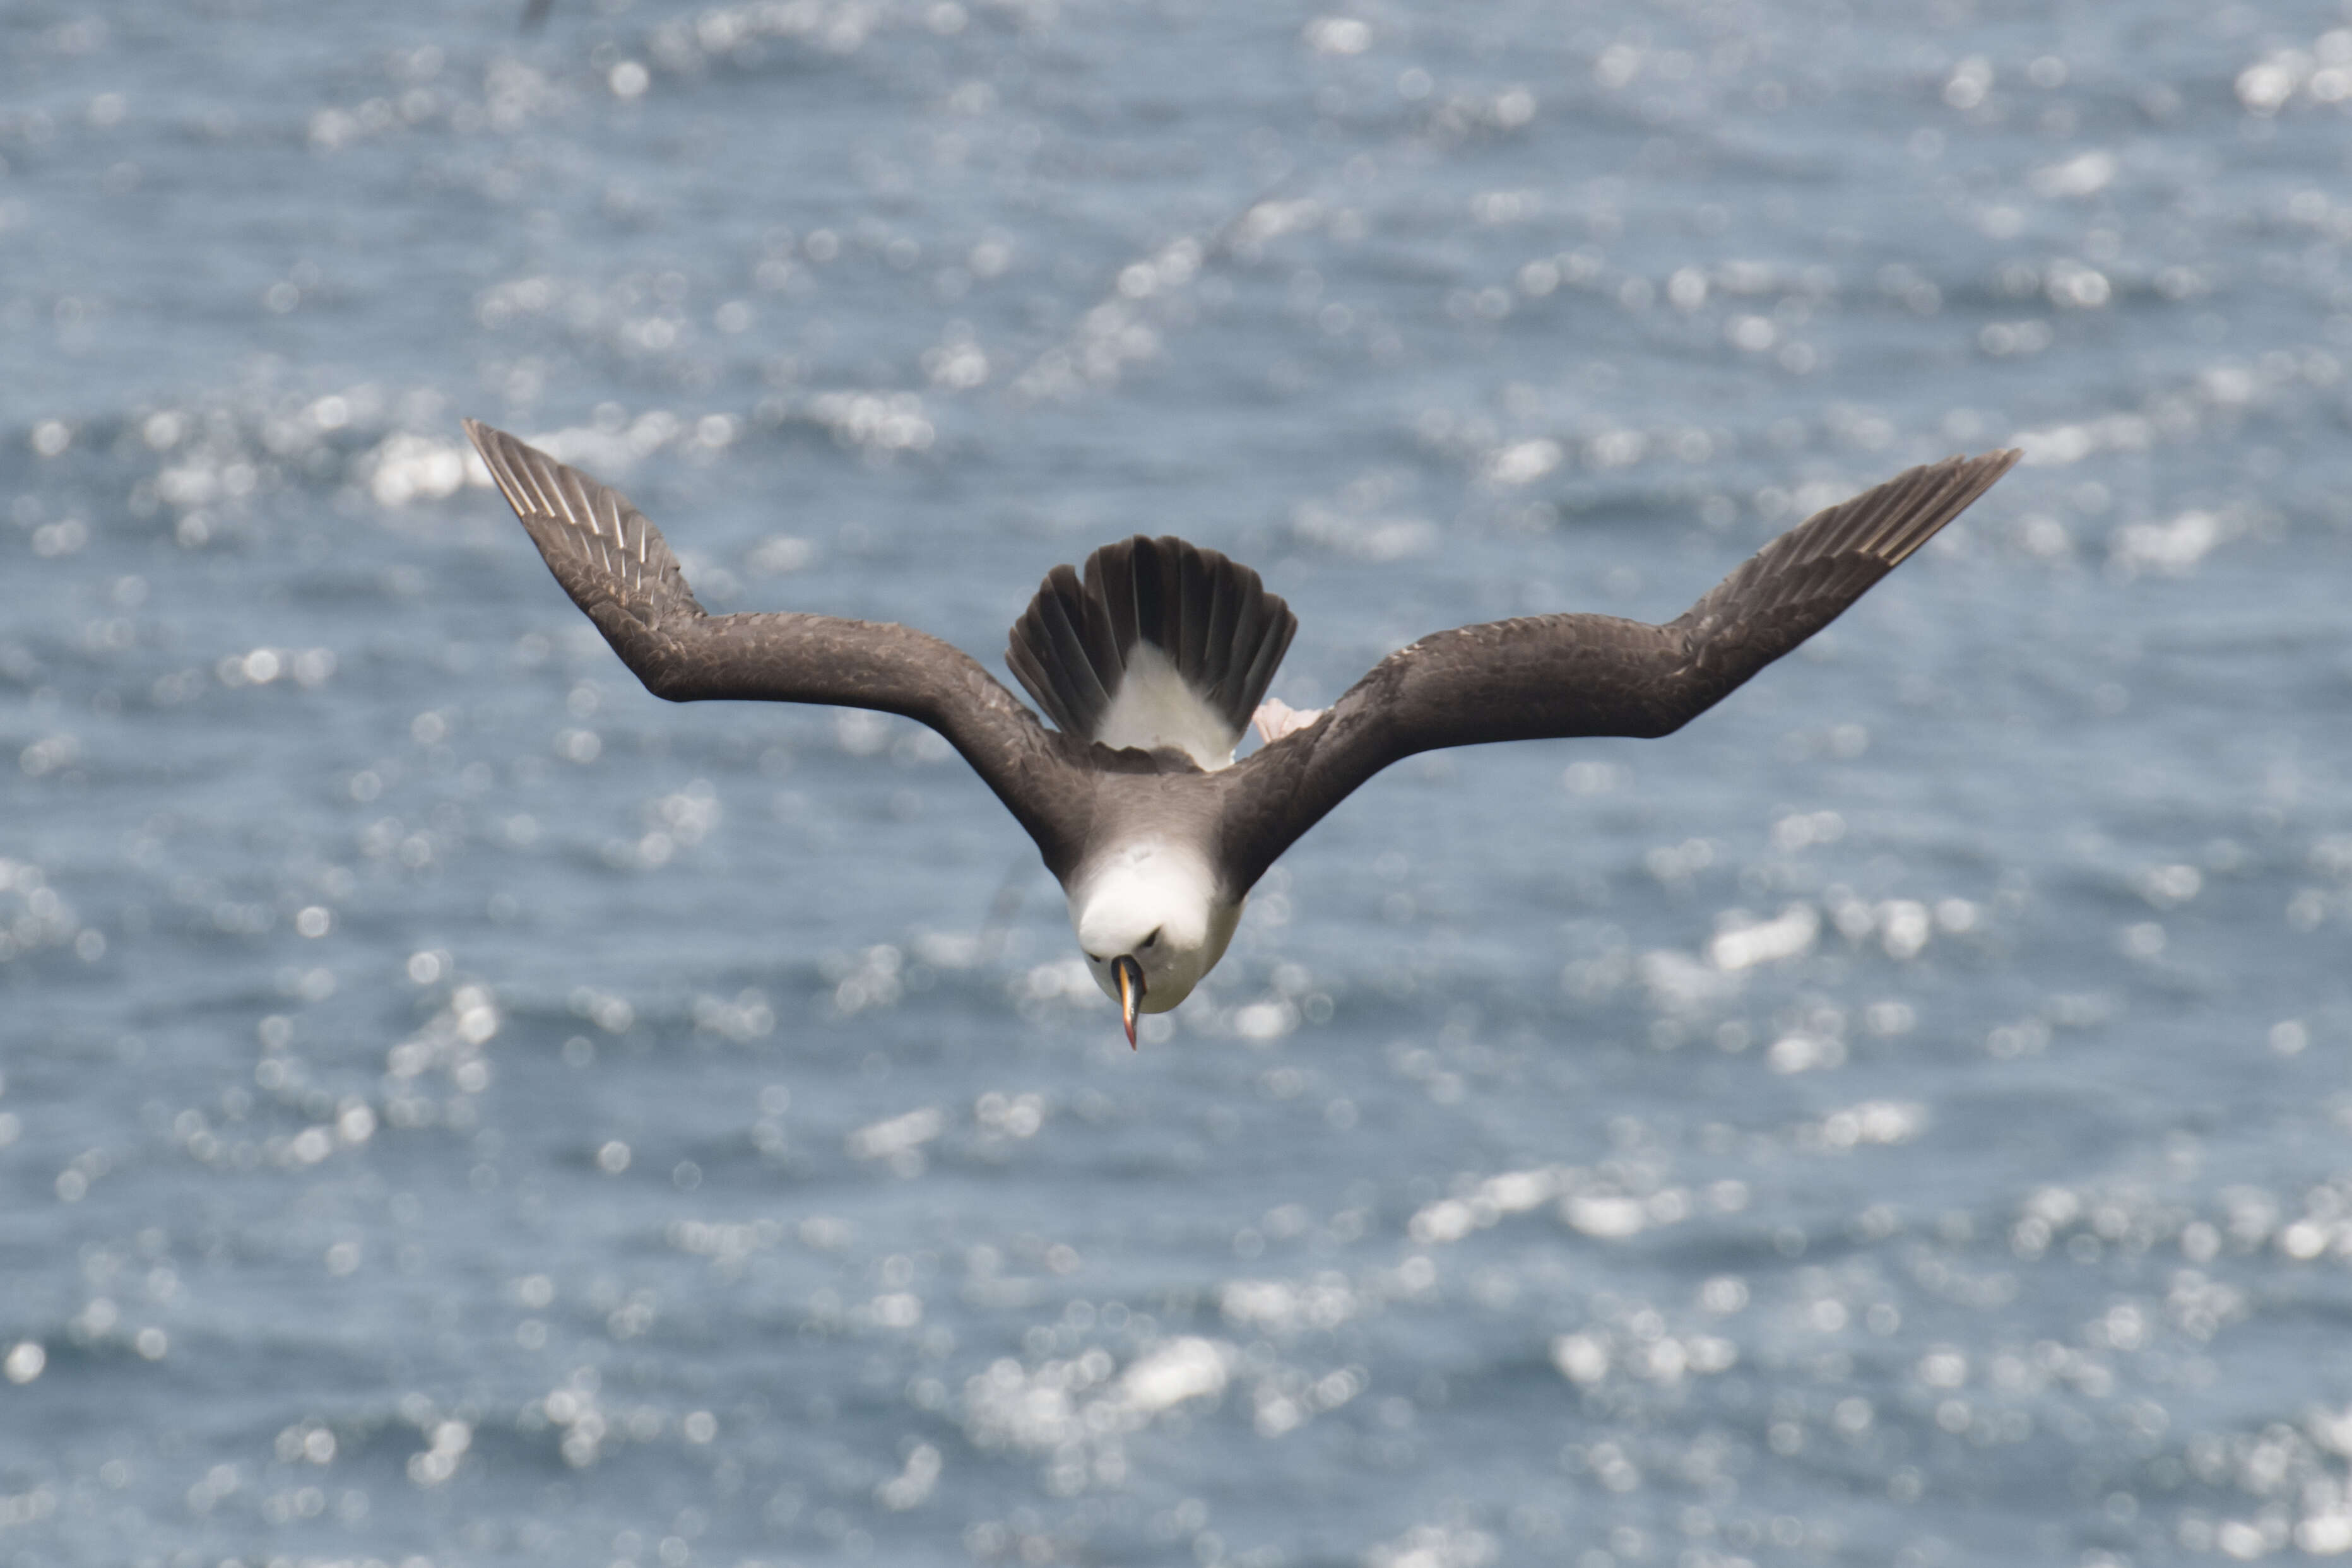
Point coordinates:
[[619, 571], [1562, 675]]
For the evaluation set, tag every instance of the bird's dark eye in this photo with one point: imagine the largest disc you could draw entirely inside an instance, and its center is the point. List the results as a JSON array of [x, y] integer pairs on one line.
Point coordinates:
[[1148, 941]]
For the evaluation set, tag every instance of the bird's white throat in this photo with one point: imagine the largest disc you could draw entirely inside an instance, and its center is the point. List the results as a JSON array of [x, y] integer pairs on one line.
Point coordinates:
[[1157, 904]]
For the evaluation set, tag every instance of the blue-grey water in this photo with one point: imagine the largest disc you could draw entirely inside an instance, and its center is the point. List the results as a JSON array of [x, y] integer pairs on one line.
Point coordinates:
[[459, 1110]]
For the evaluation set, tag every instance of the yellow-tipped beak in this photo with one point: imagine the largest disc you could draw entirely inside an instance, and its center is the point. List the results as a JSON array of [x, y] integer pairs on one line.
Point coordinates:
[[1130, 992]]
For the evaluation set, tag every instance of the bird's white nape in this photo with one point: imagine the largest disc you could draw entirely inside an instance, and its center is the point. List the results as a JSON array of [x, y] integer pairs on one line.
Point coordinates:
[[1154, 708], [1157, 904]]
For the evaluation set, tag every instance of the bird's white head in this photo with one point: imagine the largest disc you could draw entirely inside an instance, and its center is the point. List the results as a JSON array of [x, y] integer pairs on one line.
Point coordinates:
[[1150, 924]]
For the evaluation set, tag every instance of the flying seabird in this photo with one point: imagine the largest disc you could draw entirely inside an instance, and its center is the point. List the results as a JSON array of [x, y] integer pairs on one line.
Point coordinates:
[[1153, 659]]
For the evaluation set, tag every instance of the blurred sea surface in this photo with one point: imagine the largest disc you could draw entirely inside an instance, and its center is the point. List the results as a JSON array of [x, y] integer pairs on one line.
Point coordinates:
[[456, 1109]]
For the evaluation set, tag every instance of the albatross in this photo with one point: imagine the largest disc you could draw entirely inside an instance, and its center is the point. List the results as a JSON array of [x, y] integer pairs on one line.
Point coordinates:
[[1153, 659]]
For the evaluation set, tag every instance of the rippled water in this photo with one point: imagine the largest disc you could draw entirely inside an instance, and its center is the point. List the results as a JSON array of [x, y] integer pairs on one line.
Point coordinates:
[[459, 1109]]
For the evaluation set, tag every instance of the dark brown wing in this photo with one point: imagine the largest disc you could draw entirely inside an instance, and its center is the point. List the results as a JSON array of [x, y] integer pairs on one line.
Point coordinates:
[[1558, 676], [616, 568]]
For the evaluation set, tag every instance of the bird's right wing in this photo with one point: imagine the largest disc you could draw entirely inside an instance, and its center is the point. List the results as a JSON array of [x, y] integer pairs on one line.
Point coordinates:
[[619, 571], [1560, 675]]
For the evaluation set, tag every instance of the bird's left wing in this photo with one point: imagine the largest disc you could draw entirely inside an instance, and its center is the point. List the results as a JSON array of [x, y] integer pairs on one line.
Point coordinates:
[[617, 569], [1558, 676]]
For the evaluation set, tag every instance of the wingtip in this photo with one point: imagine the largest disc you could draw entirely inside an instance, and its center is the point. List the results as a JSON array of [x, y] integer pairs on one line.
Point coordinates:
[[497, 451], [1996, 463], [1991, 465]]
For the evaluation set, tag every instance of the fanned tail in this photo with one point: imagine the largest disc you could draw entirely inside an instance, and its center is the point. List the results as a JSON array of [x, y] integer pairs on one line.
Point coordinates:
[[1160, 644]]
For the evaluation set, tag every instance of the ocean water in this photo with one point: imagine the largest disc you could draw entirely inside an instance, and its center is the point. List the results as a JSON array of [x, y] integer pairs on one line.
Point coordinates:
[[456, 1109]]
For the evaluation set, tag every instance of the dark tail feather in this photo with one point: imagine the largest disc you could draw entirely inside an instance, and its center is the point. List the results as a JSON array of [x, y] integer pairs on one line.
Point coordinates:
[[1212, 617]]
